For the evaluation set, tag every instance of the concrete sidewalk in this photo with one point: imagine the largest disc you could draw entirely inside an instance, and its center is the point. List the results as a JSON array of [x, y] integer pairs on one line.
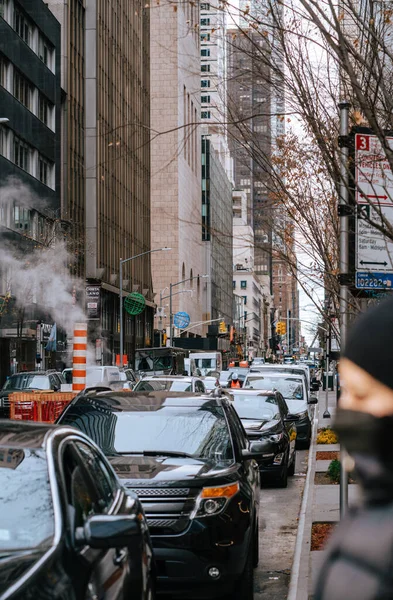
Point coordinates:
[[321, 504]]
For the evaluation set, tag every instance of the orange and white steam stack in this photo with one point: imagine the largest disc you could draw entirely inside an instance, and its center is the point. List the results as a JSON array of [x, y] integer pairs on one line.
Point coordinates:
[[79, 357]]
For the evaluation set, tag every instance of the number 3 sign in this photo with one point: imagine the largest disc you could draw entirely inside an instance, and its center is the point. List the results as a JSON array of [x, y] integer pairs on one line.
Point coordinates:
[[363, 142]]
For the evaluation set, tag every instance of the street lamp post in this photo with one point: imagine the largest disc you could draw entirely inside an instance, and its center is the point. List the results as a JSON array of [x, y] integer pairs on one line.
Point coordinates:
[[121, 263], [171, 286], [164, 298]]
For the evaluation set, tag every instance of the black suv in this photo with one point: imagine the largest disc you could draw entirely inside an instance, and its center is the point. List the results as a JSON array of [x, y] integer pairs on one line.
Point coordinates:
[[188, 459], [26, 381]]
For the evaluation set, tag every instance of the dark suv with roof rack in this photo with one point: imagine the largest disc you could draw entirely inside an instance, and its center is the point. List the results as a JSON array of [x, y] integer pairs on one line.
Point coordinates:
[[188, 459]]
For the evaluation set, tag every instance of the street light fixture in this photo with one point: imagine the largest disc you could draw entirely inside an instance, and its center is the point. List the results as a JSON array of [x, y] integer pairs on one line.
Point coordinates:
[[121, 263], [171, 286]]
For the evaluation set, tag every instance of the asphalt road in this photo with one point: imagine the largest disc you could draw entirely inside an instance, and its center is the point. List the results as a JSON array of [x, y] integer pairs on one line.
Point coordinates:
[[278, 520]]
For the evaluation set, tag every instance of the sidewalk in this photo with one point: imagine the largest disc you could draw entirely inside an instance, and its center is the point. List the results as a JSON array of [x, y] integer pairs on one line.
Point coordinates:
[[321, 504]]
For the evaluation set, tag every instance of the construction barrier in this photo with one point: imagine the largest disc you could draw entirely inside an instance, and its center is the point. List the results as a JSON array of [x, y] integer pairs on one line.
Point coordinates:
[[79, 357], [45, 407]]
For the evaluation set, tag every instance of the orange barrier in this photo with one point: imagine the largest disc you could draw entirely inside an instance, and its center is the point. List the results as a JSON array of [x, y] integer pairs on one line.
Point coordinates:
[[45, 407]]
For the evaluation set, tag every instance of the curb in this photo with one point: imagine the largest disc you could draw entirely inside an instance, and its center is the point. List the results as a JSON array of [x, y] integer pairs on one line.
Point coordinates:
[[300, 573]]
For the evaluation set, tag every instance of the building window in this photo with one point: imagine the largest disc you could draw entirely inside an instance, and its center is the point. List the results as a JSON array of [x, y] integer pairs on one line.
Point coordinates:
[[22, 89], [205, 22], [205, 99], [205, 68], [234, 284], [45, 51], [205, 37], [3, 6], [243, 285], [21, 154], [21, 218], [21, 25], [205, 83], [3, 71], [44, 171], [205, 114], [3, 140], [244, 299], [44, 110], [205, 52], [205, 6]]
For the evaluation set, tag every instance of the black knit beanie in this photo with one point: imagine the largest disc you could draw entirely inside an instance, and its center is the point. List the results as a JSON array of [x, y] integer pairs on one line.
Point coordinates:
[[370, 342]]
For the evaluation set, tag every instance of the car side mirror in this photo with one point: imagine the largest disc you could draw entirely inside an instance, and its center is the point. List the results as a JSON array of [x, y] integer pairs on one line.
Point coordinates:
[[291, 418], [257, 450], [313, 400], [107, 531]]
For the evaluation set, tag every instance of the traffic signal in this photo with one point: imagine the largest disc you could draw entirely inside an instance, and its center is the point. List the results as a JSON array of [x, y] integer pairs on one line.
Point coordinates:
[[281, 328], [223, 327]]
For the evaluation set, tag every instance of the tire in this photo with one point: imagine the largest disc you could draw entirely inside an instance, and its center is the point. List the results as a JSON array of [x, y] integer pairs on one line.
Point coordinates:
[[244, 586], [283, 481], [291, 469]]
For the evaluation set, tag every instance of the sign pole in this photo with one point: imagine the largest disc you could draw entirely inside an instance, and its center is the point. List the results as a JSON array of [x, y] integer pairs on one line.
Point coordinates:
[[121, 310], [344, 266]]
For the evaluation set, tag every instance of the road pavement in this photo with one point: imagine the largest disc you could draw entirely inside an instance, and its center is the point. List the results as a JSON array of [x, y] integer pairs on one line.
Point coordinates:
[[278, 522]]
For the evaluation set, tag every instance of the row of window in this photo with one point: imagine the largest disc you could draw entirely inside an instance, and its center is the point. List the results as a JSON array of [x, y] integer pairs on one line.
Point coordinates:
[[26, 157], [28, 222], [25, 28], [243, 285], [21, 88]]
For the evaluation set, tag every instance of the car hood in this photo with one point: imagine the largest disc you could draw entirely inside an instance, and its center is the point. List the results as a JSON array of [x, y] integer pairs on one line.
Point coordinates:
[[14, 564], [296, 406], [158, 471]]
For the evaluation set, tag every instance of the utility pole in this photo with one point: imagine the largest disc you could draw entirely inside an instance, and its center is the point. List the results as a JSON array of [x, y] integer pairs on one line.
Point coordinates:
[[343, 213]]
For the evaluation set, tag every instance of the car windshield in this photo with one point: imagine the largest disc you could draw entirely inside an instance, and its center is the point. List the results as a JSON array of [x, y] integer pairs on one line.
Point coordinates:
[[256, 407], [290, 387], [162, 385], [149, 362], [205, 363], [24, 381], [26, 509], [198, 431]]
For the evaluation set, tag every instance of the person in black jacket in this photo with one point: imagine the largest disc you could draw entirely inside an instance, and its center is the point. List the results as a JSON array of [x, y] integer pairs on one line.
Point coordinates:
[[359, 559]]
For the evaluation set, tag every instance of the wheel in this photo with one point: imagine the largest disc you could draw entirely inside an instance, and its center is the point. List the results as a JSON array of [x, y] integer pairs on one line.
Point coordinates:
[[256, 546], [244, 586], [291, 469], [283, 481]]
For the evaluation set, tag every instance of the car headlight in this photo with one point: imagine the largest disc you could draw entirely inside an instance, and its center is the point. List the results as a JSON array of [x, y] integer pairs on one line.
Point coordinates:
[[276, 437], [302, 415], [212, 500]]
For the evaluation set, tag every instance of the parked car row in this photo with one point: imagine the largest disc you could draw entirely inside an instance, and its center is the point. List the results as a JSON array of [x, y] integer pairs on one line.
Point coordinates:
[[156, 488]]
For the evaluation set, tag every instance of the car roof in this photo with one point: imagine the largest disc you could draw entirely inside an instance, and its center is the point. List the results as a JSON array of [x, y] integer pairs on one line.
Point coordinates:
[[32, 373], [146, 401], [249, 392], [171, 377], [261, 375], [23, 434]]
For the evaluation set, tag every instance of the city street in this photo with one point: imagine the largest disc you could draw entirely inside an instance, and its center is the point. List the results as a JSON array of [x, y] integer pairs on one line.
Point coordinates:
[[278, 519]]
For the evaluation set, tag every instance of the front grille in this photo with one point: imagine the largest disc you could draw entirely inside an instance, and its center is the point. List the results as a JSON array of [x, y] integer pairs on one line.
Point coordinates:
[[167, 510]]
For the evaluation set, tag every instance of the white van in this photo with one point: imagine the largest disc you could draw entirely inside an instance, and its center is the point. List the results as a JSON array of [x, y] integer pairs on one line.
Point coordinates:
[[207, 361], [101, 375]]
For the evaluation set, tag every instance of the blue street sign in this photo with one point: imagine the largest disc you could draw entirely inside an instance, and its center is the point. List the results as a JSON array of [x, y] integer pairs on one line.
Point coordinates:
[[181, 320], [374, 281]]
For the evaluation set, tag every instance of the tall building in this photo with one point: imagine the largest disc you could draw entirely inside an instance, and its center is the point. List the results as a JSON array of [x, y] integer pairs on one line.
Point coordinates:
[[176, 159], [249, 115], [71, 16], [30, 158], [117, 167], [217, 232], [254, 290]]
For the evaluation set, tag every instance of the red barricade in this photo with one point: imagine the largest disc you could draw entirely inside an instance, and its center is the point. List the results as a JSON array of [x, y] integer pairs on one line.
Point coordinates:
[[45, 407]]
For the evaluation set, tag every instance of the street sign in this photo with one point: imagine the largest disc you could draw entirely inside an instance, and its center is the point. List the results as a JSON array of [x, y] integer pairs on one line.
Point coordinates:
[[181, 320], [374, 195], [316, 350]]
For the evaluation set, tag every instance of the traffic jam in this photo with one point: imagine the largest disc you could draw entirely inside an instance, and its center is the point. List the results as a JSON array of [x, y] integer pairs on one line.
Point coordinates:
[[148, 481]]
